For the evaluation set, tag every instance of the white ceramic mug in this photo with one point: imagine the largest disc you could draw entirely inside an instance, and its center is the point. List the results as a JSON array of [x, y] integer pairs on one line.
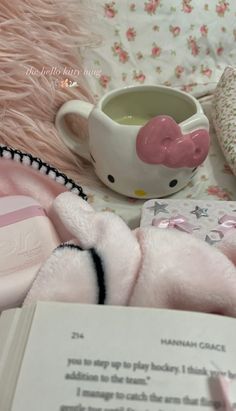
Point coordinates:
[[144, 141]]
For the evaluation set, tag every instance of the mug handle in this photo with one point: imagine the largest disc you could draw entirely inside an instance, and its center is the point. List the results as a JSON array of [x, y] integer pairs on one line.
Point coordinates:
[[81, 108]]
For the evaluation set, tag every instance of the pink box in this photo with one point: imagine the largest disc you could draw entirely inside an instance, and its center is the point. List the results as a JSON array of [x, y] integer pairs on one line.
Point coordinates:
[[27, 238], [207, 220]]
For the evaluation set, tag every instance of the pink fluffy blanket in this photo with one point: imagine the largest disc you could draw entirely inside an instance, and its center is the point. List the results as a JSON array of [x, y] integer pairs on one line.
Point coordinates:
[[40, 42]]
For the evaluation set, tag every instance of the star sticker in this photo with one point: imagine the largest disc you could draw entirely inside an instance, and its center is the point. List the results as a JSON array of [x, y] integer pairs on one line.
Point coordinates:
[[210, 241], [200, 212], [159, 208]]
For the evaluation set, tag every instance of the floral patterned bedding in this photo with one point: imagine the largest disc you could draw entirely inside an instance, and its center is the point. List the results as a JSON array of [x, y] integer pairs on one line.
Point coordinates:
[[213, 181], [181, 43]]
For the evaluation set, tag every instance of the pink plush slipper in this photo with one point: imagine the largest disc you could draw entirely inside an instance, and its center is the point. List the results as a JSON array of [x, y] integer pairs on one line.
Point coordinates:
[[107, 263]]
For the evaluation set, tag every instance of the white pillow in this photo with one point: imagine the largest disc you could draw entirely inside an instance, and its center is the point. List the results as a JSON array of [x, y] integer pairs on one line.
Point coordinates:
[[182, 43]]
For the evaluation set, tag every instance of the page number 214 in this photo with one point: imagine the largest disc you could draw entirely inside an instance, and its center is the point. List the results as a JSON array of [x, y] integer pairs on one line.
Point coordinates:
[[77, 335]]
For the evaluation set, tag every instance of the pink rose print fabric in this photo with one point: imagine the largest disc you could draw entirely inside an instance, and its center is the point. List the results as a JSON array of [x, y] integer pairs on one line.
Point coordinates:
[[179, 43]]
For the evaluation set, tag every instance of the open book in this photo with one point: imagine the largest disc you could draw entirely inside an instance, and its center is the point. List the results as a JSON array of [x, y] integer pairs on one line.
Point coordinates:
[[72, 357]]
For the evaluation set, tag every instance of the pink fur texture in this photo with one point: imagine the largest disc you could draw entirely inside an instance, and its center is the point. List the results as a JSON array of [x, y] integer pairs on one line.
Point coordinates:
[[40, 35]]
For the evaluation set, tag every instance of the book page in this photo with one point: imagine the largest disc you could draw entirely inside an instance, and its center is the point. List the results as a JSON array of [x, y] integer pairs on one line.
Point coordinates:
[[8, 323], [100, 358], [15, 324]]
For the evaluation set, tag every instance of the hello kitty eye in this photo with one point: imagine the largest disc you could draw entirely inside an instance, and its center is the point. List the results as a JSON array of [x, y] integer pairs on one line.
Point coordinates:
[[111, 178], [173, 183]]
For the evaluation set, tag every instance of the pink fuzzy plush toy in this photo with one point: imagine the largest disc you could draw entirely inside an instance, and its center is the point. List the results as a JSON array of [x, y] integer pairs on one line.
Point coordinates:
[[107, 263]]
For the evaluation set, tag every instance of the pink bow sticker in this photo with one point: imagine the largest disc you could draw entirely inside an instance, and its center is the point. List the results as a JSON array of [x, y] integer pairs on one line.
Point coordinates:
[[179, 222], [226, 223]]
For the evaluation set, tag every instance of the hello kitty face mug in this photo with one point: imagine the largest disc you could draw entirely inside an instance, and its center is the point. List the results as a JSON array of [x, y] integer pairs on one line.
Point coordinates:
[[144, 141]]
